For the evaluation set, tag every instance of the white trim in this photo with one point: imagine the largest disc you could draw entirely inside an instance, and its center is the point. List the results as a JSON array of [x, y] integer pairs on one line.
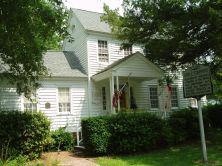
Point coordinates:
[[177, 92], [158, 97], [57, 100], [97, 45]]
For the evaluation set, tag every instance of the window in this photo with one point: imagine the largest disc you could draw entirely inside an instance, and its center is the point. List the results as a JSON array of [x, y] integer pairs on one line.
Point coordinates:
[[193, 103], [64, 100], [127, 51], [30, 104], [154, 102], [103, 51], [104, 97], [174, 97]]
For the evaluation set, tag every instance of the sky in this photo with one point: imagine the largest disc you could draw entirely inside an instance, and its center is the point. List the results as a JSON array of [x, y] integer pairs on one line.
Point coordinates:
[[92, 5]]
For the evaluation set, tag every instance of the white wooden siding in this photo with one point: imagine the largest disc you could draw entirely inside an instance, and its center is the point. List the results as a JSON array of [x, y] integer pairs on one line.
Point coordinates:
[[115, 53], [9, 99], [96, 106], [79, 44], [78, 100]]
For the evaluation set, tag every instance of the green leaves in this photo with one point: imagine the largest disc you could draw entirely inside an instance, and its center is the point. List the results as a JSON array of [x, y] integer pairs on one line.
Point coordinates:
[[25, 133], [27, 30], [174, 33]]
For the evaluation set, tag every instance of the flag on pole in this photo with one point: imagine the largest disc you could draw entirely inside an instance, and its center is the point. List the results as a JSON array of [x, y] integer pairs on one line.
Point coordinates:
[[167, 103]]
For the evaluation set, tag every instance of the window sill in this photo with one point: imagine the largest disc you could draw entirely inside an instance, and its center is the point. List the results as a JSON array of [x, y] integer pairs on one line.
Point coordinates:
[[64, 114], [154, 109]]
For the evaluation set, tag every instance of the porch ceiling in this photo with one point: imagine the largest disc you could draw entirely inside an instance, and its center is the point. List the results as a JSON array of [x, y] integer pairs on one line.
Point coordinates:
[[135, 65]]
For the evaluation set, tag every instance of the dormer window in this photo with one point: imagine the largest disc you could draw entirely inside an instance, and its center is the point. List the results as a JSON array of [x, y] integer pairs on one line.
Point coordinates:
[[127, 51], [103, 51]]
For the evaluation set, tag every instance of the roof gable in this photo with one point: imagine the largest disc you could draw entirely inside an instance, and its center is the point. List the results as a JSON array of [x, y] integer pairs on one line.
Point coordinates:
[[135, 65], [91, 21]]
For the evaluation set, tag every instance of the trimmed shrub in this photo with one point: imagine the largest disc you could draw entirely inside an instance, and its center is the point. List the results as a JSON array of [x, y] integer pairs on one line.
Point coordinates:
[[60, 140], [96, 134], [135, 132], [23, 133], [214, 113], [122, 133], [184, 125]]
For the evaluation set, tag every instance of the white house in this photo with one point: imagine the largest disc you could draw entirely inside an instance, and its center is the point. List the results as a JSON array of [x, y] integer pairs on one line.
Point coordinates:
[[85, 75]]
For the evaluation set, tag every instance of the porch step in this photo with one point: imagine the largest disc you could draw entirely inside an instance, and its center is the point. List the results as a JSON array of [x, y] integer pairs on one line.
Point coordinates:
[[80, 147]]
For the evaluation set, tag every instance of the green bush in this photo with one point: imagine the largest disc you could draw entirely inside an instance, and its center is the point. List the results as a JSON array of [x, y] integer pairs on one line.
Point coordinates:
[[122, 133], [184, 125], [138, 132], [214, 113], [60, 140], [135, 132], [96, 132], [22, 133]]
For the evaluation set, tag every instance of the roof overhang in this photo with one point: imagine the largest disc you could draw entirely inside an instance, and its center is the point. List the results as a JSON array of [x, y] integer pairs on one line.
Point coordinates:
[[135, 66]]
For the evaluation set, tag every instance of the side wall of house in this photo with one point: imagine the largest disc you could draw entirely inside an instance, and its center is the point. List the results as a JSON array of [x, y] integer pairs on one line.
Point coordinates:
[[48, 93], [78, 45], [115, 53], [142, 94]]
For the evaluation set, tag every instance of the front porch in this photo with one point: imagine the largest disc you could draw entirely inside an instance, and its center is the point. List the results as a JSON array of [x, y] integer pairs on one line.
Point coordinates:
[[131, 77]]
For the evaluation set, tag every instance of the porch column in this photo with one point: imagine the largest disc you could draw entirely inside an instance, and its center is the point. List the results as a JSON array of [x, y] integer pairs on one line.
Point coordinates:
[[111, 81], [117, 88], [129, 92]]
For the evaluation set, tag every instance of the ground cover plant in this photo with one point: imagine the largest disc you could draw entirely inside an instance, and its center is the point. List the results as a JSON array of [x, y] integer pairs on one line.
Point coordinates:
[[181, 155]]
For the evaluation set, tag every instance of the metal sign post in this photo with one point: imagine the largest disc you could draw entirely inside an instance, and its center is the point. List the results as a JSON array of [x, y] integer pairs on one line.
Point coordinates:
[[202, 133], [196, 84]]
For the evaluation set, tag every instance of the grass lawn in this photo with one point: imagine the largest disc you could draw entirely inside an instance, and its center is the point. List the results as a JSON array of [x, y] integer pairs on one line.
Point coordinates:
[[186, 155]]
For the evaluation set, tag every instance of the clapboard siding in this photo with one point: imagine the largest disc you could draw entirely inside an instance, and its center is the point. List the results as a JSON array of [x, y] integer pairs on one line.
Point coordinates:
[[78, 100], [79, 44], [9, 99], [115, 52]]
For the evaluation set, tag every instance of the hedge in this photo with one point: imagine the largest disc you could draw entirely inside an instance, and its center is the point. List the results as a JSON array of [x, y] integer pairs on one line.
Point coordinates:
[[184, 125], [122, 133], [214, 113], [23, 133], [137, 132]]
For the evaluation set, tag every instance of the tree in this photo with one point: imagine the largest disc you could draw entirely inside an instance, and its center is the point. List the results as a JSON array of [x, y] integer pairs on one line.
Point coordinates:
[[27, 30], [174, 33]]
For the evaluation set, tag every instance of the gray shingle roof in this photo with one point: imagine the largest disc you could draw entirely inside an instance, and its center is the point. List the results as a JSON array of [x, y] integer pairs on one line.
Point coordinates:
[[91, 21], [63, 64]]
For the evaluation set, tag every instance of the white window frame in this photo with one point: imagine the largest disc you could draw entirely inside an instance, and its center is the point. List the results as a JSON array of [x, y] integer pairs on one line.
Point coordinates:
[[158, 100], [24, 101], [104, 98], [98, 52], [127, 51], [173, 107], [70, 105], [193, 103]]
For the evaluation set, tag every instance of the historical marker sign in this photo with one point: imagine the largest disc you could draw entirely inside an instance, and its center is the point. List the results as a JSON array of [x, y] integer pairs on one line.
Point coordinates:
[[197, 81]]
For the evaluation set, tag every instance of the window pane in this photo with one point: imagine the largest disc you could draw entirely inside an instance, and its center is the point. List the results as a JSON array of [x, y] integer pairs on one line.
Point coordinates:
[[154, 102], [127, 51], [174, 97], [103, 51], [30, 104], [64, 100]]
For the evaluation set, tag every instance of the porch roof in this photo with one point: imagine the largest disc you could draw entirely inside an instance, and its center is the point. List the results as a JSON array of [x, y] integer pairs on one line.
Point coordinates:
[[135, 65]]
